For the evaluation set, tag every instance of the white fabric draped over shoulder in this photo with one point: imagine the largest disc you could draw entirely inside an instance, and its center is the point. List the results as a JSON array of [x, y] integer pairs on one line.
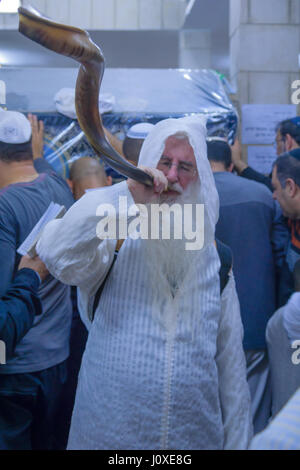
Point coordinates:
[[70, 246], [144, 385]]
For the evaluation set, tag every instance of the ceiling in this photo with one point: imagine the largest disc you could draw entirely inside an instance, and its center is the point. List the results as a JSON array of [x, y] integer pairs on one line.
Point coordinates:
[[138, 49]]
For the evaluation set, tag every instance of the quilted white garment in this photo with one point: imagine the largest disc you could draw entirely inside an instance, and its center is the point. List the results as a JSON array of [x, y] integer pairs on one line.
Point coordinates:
[[144, 383]]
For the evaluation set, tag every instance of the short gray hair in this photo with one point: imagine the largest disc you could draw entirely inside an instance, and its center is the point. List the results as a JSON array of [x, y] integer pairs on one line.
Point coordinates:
[[287, 167]]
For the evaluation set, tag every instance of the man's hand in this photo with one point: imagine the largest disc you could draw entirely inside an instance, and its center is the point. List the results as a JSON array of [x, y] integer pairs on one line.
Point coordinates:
[[236, 155], [141, 193], [35, 264], [37, 128]]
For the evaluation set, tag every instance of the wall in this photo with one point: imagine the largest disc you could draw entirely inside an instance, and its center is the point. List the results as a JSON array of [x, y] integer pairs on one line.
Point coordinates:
[[109, 14], [264, 49]]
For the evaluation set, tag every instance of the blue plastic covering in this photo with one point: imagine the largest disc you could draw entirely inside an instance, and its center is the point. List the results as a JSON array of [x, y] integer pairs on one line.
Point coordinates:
[[141, 95]]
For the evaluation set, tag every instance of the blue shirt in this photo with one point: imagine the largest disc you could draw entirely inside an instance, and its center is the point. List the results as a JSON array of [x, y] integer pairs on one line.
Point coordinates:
[[18, 307], [21, 206]]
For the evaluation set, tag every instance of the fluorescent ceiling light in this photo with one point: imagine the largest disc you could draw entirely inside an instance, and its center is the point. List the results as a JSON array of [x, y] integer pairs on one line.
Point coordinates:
[[9, 6]]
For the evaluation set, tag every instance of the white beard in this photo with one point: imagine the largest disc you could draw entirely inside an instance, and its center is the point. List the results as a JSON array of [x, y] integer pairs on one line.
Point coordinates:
[[168, 260]]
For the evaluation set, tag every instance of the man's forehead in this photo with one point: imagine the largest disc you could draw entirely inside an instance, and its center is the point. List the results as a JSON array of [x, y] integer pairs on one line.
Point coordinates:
[[181, 145]]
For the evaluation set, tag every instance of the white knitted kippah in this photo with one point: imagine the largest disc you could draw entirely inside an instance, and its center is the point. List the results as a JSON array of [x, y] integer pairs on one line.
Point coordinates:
[[139, 131], [14, 128]]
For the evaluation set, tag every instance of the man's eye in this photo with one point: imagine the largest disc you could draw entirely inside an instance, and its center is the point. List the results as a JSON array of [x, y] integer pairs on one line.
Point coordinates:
[[186, 168]]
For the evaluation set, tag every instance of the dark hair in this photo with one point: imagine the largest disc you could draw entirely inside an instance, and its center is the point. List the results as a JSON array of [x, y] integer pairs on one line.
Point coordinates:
[[296, 275], [15, 152], [290, 126], [219, 151], [288, 166], [132, 148]]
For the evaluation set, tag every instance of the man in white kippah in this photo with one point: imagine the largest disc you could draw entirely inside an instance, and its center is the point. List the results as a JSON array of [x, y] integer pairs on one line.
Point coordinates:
[[32, 379], [134, 140]]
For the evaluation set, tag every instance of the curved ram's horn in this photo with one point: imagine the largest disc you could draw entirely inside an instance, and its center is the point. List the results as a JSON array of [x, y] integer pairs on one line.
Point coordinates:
[[77, 44]]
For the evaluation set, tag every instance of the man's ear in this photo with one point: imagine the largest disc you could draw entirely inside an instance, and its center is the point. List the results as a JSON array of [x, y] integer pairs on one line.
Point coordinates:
[[70, 184], [289, 142], [109, 180], [291, 187]]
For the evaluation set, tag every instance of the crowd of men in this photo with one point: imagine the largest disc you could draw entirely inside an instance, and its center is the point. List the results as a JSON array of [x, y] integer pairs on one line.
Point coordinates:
[[141, 343]]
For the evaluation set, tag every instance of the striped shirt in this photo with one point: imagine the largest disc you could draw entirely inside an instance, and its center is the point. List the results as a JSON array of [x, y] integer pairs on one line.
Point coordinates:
[[284, 431]]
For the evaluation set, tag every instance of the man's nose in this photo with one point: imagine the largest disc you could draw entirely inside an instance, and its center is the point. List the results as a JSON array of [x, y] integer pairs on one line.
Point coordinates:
[[172, 175]]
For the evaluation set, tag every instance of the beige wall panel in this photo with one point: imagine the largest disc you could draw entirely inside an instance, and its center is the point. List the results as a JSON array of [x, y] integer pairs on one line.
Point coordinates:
[[269, 11], [269, 88], [80, 13], [150, 14], [59, 10], [39, 4], [260, 47], [103, 14], [127, 14]]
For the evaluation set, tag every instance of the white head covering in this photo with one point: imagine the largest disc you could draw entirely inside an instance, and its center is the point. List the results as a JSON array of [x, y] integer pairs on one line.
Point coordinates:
[[65, 102], [140, 130], [195, 128], [14, 128]]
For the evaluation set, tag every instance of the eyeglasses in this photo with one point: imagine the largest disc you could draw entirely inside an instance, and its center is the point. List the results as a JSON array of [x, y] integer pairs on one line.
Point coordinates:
[[183, 169]]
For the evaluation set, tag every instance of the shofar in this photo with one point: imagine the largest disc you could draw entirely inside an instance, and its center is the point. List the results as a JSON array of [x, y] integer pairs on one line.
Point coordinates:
[[77, 44]]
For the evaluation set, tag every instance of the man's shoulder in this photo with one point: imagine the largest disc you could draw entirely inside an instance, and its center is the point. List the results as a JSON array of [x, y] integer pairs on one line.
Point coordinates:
[[242, 189], [25, 203], [59, 182]]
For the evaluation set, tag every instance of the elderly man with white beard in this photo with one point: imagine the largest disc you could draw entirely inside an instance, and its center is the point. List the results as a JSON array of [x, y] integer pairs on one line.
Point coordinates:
[[164, 366]]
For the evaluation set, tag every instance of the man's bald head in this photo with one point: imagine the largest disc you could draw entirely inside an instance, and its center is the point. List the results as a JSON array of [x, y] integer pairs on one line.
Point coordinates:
[[87, 173]]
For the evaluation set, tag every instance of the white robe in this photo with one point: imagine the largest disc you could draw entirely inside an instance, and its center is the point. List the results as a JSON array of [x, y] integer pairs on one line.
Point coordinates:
[[144, 383]]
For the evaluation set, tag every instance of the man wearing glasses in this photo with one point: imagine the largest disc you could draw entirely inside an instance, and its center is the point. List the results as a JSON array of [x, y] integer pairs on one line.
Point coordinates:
[[287, 139], [164, 366]]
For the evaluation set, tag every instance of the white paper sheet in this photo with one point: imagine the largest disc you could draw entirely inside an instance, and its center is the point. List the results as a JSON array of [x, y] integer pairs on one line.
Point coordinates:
[[28, 246], [261, 158], [259, 121]]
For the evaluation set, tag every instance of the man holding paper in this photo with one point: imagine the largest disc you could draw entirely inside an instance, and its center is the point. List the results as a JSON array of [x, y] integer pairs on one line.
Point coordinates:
[[32, 379]]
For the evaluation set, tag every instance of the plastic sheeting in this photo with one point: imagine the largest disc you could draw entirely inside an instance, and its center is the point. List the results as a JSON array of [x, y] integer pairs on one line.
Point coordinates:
[[147, 95]]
